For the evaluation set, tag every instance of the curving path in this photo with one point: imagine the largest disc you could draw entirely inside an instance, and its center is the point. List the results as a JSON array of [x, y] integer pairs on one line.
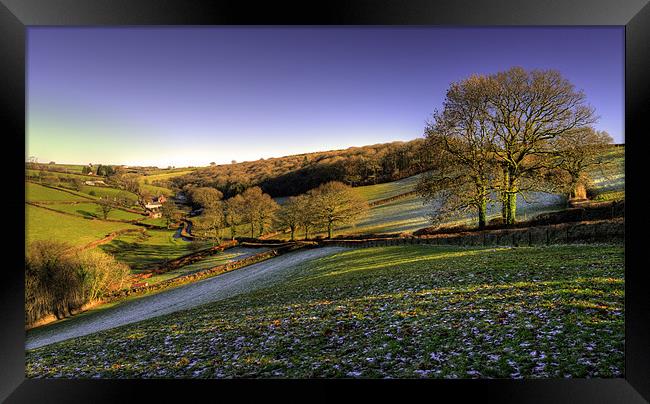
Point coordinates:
[[220, 287]]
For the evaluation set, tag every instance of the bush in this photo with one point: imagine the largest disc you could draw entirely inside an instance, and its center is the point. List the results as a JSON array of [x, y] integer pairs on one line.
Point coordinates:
[[100, 274], [92, 193], [58, 281], [51, 284], [195, 245]]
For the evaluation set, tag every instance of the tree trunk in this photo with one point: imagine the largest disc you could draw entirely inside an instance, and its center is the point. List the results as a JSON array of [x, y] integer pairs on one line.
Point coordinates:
[[482, 214], [252, 229], [512, 197], [504, 195], [329, 230], [512, 208], [293, 230]]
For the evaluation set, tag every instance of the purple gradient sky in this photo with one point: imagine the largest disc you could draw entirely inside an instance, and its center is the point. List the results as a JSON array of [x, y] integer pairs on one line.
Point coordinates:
[[189, 96]]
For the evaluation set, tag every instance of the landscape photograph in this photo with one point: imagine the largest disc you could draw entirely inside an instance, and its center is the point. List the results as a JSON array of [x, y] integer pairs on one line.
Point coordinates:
[[324, 202]]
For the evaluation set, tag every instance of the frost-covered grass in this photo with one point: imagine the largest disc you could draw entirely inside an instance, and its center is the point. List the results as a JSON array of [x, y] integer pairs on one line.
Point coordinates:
[[389, 189], [609, 179], [403, 311]]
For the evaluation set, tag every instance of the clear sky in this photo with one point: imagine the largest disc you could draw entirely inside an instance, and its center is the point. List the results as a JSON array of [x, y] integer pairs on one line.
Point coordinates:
[[188, 96]]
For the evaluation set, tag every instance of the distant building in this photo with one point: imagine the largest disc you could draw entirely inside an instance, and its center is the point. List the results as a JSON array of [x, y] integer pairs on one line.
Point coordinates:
[[95, 183]]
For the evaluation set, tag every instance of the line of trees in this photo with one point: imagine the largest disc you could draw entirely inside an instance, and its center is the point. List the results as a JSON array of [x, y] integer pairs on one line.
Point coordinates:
[[323, 208], [507, 134]]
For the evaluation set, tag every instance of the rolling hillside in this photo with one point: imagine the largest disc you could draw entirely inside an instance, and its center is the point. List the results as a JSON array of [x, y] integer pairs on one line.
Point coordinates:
[[408, 311]]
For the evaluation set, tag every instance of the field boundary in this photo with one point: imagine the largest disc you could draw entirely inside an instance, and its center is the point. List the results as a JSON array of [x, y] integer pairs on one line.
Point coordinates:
[[63, 190], [134, 221], [109, 237], [391, 198], [597, 231]]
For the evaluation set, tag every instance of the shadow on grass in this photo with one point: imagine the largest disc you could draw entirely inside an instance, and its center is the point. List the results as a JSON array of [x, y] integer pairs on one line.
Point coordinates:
[[142, 256], [86, 214]]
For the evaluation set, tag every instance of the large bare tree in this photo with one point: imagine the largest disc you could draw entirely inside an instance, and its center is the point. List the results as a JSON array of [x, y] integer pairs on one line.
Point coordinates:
[[528, 110], [459, 139]]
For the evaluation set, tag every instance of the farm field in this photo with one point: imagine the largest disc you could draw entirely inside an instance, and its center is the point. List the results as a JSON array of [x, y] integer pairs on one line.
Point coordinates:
[[36, 193], [404, 311], [224, 257], [142, 251], [91, 210], [155, 190], [79, 175], [42, 224], [377, 192], [165, 175], [106, 191], [159, 221]]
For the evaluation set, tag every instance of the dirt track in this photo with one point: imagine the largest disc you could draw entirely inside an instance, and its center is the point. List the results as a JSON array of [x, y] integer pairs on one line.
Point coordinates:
[[195, 294]]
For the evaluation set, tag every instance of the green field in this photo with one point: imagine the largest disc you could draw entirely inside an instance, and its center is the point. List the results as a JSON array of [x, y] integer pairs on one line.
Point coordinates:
[[83, 177], [42, 224], [376, 192], [74, 168], [165, 175], [404, 311], [148, 250], [157, 190], [106, 191], [91, 210], [156, 221], [210, 262], [36, 192]]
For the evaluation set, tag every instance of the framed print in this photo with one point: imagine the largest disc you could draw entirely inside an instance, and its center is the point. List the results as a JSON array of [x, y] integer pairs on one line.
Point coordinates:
[[390, 196]]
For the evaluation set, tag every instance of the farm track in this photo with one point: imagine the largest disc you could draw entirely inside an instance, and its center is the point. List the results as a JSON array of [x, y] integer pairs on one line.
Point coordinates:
[[209, 290]]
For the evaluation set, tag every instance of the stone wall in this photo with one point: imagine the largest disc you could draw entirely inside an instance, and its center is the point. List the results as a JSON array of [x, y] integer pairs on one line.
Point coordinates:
[[599, 231]]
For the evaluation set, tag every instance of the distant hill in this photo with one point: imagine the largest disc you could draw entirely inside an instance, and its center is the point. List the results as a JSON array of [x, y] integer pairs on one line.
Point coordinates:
[[296, 174]]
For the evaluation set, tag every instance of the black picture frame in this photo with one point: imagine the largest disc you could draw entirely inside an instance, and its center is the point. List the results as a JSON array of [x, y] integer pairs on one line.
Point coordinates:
[[17, 15]]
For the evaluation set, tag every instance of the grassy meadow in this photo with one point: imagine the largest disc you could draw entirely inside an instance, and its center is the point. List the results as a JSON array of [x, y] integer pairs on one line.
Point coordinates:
[[42, 224], [206, 263], [143, 251], [91, 210], [39, 193], [404, 311]]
